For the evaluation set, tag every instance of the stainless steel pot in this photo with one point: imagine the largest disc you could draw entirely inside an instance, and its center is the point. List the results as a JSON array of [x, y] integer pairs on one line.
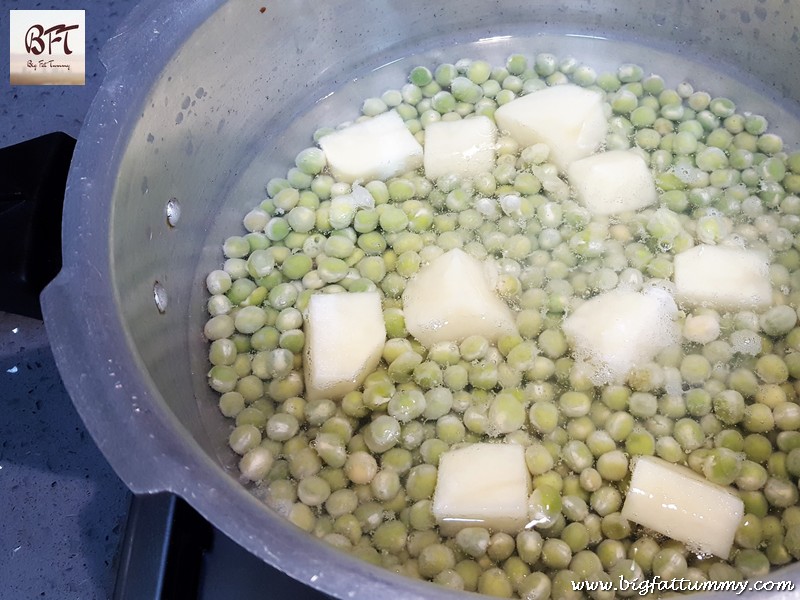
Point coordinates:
[[202, 103]]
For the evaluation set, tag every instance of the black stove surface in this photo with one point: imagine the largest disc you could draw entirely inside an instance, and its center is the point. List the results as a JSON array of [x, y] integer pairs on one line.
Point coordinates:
[[170, 551]]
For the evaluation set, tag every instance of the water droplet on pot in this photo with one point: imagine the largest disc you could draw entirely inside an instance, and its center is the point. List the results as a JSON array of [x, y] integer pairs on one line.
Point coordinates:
[[173, 212], [160, 297]]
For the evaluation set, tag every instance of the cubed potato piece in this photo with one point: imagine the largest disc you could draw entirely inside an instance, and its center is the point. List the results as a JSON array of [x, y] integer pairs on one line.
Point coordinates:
[[345, 335], [452, 298], [568, 118], [723, 277], [681, 504], [377, 148], [612, 182], [482, 485], [620, 329], [465, 147]]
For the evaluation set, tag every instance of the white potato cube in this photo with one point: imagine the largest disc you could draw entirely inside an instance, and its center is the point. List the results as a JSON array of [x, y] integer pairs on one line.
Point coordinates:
[[723, 277], [452, 298], [612, 182], [681, 504], [568, 118], [482, 485], [465, 147], [345, 335], [376, 148], [621, 329]]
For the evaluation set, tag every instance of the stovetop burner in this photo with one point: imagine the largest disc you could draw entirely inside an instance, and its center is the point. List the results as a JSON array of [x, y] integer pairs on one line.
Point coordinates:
[[170, 551]]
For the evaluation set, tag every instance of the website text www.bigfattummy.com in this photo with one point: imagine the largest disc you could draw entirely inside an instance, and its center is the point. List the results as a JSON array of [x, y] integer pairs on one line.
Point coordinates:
[[643, 587]]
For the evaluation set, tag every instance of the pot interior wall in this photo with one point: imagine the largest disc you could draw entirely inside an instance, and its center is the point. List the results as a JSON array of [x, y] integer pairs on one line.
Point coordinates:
[[244, 93]]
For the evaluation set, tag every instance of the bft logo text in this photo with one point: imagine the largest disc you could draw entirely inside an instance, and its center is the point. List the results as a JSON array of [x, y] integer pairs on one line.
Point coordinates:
[[35, 38], [47, 47]]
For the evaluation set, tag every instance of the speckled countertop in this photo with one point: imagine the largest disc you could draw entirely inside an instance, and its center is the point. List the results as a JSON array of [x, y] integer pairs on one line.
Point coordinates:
[[64, 509]]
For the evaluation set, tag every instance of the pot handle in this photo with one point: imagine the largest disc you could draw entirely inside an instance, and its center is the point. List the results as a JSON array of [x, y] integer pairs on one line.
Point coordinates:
[[32, 185]]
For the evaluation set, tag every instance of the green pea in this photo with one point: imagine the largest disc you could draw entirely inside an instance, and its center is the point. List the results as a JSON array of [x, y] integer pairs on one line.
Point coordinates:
[[552, 343], [495, 582], [577, 455], [615, 527], [450, 429], [544, 505], [577, 538], [483, 375], [383, 432], [473, 541], [780, 492], [606, 500], [722, 466], [771, 369], [640, 443], [543, 416], [244, 438], [473, 347], [406, 405], [695, 368], [538, 459], [729, 407], [390, 536], [456, 377], [428, 375], [758, 418], [421, 482], [619, 425], [506, 414], [613, 466]]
